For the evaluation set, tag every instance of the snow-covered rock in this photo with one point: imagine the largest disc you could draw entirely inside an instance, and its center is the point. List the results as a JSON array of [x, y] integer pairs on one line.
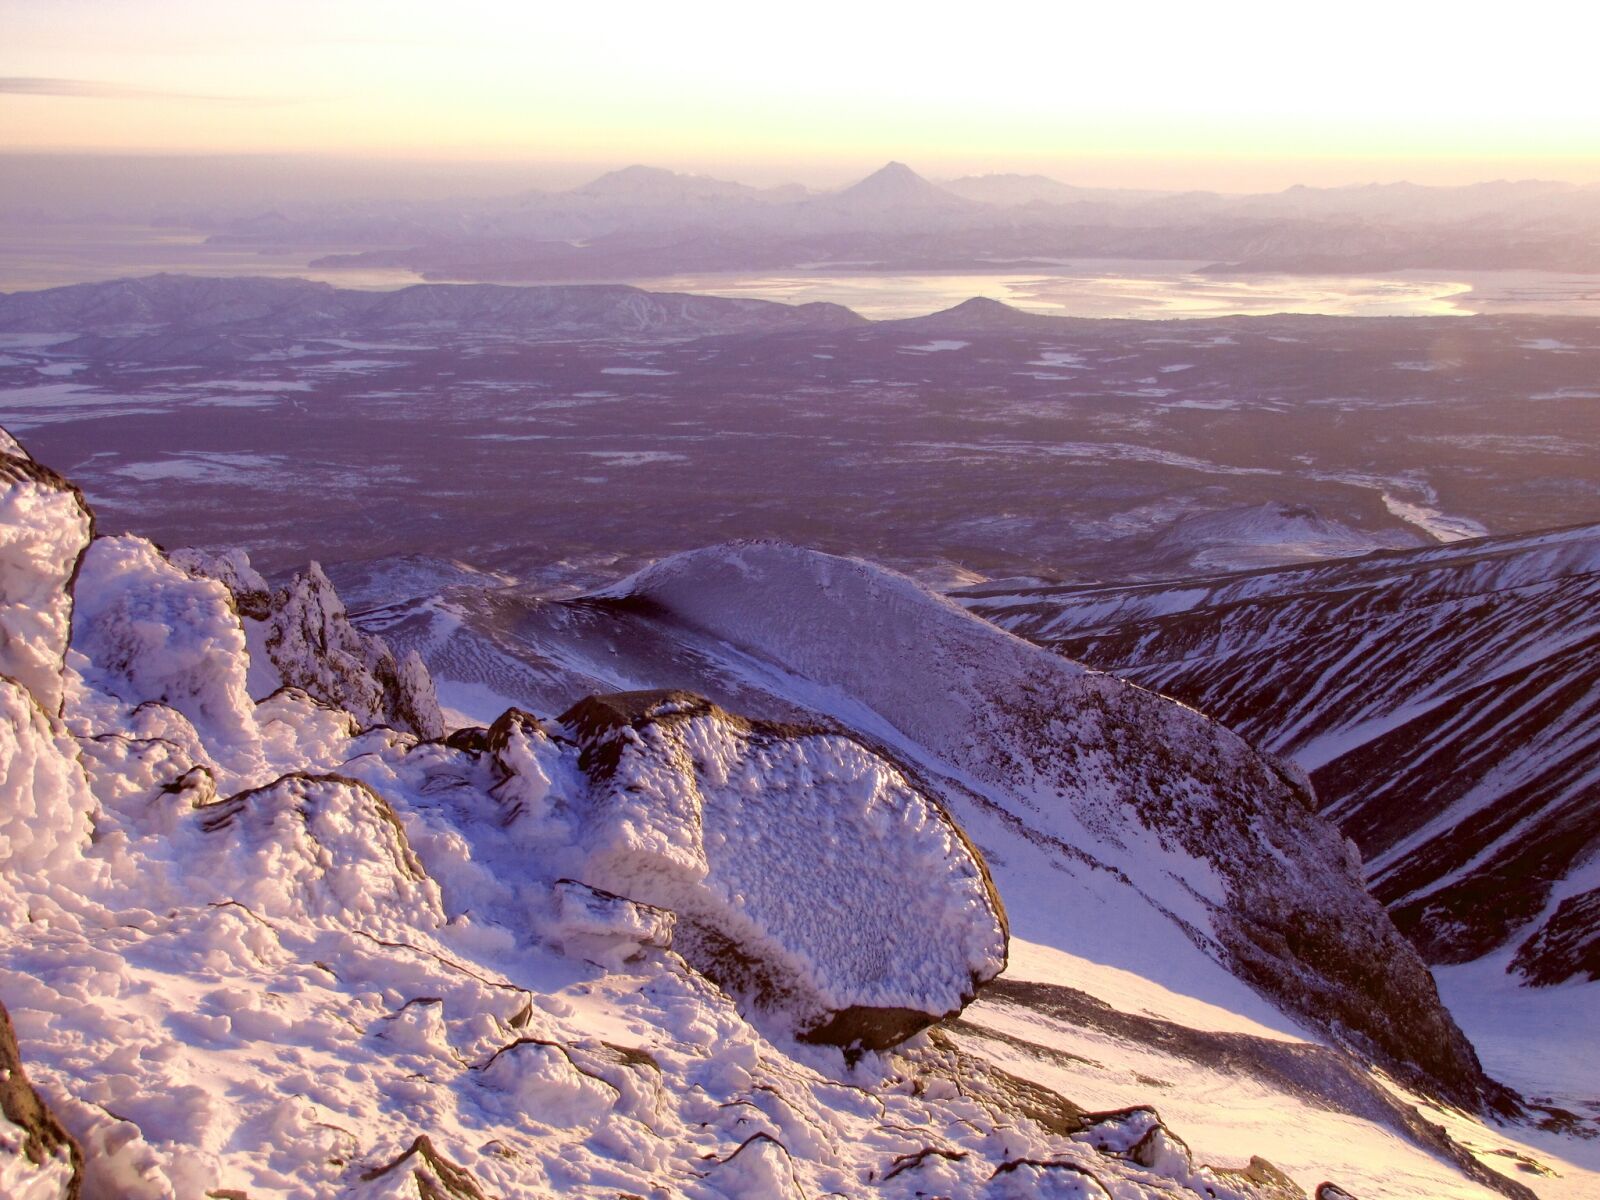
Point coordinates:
[[252, 594], [604, 926], [314, 847], [45, 802], [39, 1160], [311, 641], [44, 527], [806, 872], [151, 632]]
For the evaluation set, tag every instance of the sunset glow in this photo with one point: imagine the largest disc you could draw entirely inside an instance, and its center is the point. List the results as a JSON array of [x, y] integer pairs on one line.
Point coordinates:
[[1237, 95]]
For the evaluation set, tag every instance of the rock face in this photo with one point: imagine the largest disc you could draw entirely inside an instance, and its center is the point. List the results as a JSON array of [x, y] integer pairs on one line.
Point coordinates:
[[39, 1160], [806, 873], [1446, 703], [314, 646], [45, 526]]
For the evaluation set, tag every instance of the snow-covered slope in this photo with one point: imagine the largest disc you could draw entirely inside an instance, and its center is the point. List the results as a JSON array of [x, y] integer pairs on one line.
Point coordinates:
[[1066, 779], [1446, 702], [253, 948]]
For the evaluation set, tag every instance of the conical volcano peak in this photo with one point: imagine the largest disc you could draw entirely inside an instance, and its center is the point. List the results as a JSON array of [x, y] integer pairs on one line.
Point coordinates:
[[897, 184]]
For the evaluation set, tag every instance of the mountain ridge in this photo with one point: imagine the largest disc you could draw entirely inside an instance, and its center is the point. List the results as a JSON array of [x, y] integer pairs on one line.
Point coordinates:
[[1461, 759]]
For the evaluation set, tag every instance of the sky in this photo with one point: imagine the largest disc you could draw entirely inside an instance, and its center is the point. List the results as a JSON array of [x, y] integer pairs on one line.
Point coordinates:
[[1232, 96]]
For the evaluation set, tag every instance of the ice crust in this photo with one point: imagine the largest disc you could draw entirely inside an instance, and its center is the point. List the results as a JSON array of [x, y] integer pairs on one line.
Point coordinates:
[[805, 850]]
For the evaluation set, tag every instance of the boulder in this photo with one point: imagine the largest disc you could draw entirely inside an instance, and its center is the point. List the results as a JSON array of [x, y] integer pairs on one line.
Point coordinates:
[[808, 875]]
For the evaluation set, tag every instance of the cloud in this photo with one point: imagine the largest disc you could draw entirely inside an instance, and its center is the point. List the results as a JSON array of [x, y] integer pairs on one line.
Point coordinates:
[[94, 89]]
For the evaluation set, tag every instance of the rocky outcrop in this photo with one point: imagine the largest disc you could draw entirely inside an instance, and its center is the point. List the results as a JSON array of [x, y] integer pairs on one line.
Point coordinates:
[[251, 593], [45, 526], [419, 1171], [39, 1160], [312, 643], [806, 873]]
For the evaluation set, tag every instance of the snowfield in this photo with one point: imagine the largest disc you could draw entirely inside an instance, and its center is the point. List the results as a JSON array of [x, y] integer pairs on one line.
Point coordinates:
[[270, 930]]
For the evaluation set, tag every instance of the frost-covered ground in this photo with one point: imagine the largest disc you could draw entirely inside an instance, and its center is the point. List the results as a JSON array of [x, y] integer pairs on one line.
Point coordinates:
[[254, 944], [1121, 949]]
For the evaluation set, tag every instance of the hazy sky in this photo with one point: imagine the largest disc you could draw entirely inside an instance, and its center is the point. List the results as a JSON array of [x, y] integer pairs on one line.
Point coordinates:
[[1151, 94]]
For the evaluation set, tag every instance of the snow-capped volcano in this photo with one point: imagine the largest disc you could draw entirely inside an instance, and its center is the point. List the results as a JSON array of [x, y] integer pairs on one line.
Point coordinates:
[[894, 187]]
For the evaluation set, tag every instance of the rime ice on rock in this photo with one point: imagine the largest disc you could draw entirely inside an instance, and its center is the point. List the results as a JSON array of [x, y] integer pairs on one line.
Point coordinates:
[[317, 847], [152, 632], [806, 872], [314, 646], [44, 527], [252, 595]]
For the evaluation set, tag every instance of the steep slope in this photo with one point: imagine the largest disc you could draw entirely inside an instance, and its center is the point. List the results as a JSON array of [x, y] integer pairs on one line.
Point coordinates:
[[1135, 804], [1446, 702]]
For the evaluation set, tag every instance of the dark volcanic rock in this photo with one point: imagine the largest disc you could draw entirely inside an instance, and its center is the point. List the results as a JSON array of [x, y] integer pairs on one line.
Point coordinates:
[[48, 1147]]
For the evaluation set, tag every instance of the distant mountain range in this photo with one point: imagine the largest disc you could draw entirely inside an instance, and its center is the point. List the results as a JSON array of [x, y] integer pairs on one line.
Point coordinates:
[[641, 221]]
